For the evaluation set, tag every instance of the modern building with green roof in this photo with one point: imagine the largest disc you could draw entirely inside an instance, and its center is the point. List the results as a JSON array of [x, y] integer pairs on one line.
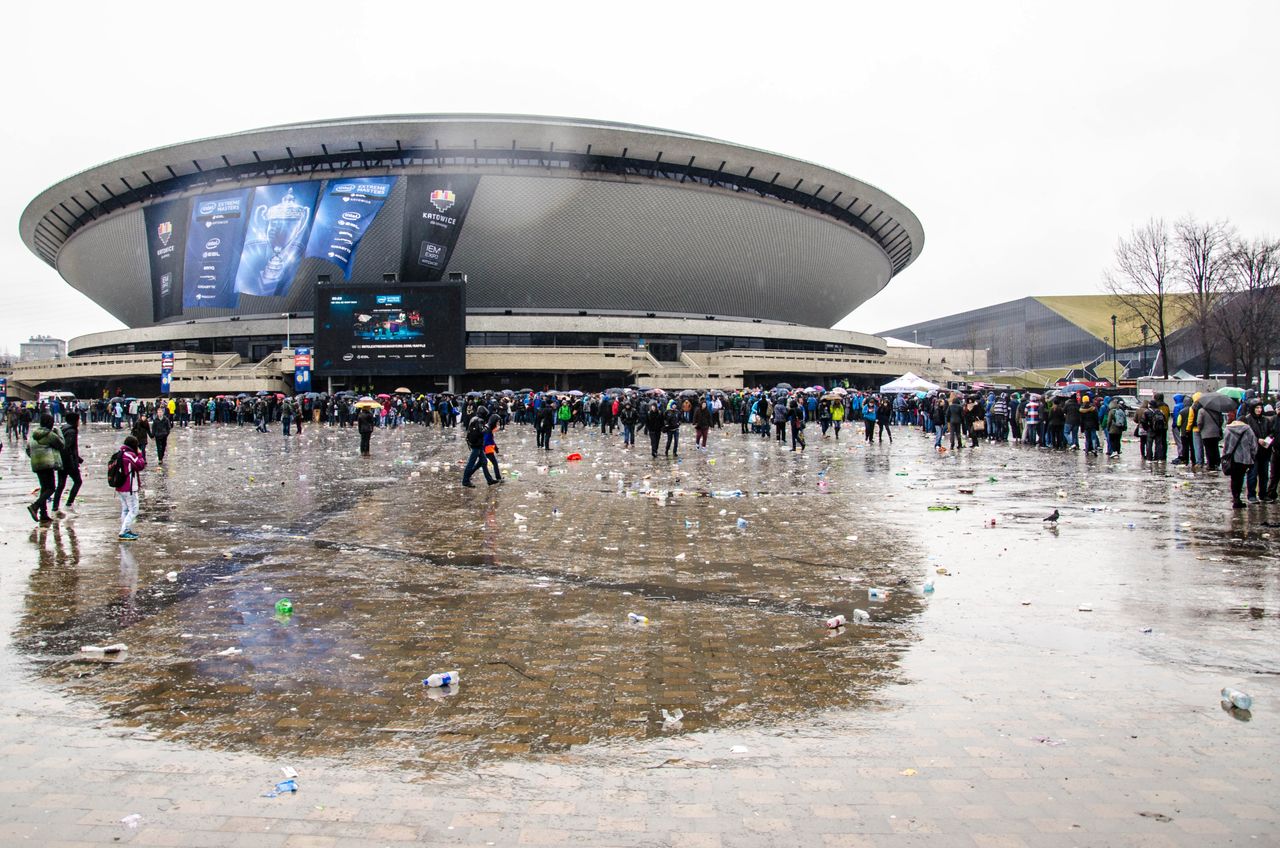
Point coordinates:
[[1045, 332]]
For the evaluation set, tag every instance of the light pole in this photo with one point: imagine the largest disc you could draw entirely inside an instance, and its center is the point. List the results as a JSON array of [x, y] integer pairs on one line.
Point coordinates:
[[287, 336], [915, 336], [1115, 379]]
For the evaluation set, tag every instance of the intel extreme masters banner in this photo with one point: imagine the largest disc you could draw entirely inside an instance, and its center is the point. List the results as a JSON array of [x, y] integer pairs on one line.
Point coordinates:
[[345, 215]]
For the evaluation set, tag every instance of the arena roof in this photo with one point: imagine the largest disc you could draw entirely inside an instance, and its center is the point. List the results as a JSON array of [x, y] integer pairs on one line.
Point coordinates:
[[389, 142]]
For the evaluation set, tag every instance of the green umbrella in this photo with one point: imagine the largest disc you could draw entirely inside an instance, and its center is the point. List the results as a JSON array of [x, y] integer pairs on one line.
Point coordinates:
[[1232, 392]]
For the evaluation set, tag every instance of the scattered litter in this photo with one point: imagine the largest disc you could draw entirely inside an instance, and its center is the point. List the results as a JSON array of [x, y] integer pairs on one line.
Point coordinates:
[[908, 772], [1048, 740], [837, 621], [944, 508], [742, 523], [230, 652], [1146, 630], [1160, 817], [739, 749], [172, 577], [282, 787], [943, 572], [289, 772], [680, 557], [1237, 699], [927, 588], [637, 618], [132, 821], [573, 457], [117, 648], [1085, 608], [966, 491], [671, 721], [861, 616], [442, 678], [876, 594], [284, 606]]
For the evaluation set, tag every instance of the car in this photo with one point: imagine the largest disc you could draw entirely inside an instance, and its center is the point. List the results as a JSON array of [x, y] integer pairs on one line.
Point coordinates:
[[1130, 401]]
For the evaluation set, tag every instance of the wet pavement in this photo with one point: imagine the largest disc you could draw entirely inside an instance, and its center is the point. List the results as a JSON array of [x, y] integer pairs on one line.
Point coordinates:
[[1059, 687]]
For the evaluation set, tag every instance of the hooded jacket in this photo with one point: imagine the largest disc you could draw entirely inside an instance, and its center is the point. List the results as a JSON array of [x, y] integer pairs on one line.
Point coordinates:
[[1239, 444], [44, 446]]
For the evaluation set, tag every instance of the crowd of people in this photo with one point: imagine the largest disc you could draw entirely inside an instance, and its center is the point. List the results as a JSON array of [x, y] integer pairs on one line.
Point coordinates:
[[1210, 431]]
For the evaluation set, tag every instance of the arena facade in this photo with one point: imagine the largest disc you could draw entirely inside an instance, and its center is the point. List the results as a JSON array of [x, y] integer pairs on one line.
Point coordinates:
[[579, 252]]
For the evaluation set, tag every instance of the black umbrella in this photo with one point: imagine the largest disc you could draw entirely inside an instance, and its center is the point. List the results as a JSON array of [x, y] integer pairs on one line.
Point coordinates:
[[1218, 403], [688, 393], [475, 394], [786, 387]]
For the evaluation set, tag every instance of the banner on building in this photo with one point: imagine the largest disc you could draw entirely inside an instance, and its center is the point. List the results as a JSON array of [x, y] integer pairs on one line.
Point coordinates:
[[214, 239], [275, 238], [346, 212], [302, 369], [166, 371], [166, 236], [435, 207]]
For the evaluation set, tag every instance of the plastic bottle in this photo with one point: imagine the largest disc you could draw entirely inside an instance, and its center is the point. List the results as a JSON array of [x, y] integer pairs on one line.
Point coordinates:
[[861, 616], [742, 523], [443, 678], [636, 618], [928, 587], [874, 594], [284, 606], [837, 621], [1237, 698]]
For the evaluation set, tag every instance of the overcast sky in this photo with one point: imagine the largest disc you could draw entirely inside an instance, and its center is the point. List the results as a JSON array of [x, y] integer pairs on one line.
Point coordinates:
[[1026, 138]]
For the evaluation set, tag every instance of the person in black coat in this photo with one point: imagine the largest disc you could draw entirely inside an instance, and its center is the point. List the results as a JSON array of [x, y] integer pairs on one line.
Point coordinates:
[[653, 426], [364, 426], [71, 461]]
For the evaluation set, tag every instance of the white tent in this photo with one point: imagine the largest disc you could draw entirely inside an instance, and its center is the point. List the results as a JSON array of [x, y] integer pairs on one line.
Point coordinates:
[[908, 382]]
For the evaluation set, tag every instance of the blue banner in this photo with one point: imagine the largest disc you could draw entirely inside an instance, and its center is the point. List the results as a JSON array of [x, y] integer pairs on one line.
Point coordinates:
[[346, 212], [166, 380], [302, 369], [166, 371], [214, 238], [275, 239], [4, 387]]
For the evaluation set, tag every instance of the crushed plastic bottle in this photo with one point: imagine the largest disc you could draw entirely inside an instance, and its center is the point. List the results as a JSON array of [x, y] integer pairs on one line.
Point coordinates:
[[928, 587], [1237, 699], [636, 618], [742, 523], [861, 616], [442, 678], [836, 621], [672, 719], [284, 606]]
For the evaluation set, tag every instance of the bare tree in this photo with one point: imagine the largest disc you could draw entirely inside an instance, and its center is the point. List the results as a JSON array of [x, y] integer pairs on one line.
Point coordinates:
[[1142, 279], [1203, 259], [1247, 320]]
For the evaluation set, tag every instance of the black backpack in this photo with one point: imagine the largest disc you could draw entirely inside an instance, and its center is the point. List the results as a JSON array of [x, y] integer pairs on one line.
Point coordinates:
[[475, 434], [115, 469]]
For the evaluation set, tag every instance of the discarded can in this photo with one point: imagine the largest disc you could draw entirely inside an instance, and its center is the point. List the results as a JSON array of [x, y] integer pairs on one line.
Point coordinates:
[[636, 618], [445, 678], [284, 606], [1237, 698], [837, 621]]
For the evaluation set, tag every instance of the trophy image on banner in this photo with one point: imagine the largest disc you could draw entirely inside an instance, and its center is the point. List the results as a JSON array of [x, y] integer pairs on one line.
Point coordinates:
[[277, 236]]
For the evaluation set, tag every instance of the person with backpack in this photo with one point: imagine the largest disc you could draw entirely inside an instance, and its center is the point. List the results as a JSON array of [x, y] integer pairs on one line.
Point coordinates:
[[160, 429], [71, 462], [1117, 422], [491, 444], [476, 441], [123, 475], [1157, 433], [44, 446]]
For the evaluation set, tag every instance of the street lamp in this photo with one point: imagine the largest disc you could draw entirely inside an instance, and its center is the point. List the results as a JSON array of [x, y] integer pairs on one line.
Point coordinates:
[[287, 336], [1115, 379]]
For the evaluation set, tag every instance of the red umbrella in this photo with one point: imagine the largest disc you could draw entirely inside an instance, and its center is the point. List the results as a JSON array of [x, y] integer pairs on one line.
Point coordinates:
[[384, 397]]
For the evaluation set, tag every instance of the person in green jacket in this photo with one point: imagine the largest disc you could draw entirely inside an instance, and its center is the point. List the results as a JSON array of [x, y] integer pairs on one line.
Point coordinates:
[[44, 446]]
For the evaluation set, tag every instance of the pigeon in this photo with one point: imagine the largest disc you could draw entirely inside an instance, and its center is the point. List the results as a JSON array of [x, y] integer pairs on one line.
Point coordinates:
[[1053, 518]]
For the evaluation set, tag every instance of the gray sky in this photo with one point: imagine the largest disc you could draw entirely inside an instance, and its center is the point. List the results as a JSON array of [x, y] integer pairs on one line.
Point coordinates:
[[1026, 138]]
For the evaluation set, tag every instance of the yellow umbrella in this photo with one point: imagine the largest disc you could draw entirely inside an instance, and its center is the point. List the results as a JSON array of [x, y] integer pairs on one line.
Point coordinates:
[[368, 404]]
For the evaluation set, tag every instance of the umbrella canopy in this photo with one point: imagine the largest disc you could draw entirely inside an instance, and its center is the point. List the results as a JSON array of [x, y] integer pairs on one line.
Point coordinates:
[[1232, 392], [475, 394], [1071, 388], [817, 389], [1218, 402], [839, 390], [655, 391], [384, 396], [403, 391], [688, 393], [575, 393], [367, 403], [786, 387], [263, 393]]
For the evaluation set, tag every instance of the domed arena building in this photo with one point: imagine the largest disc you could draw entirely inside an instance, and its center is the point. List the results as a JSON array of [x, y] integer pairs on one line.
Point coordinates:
[[470, 251]]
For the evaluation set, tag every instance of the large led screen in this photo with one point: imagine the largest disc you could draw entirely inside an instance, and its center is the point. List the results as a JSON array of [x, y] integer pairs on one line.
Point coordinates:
[[390, 330]]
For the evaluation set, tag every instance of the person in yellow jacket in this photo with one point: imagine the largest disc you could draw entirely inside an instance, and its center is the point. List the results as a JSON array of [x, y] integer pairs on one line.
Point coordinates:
[[837, 416]]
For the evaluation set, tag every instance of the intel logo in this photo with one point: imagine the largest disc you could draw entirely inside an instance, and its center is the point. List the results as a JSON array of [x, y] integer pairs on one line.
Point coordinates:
[[345, 188], [347, 357], [212, 244], [351, 216], [208, 207]]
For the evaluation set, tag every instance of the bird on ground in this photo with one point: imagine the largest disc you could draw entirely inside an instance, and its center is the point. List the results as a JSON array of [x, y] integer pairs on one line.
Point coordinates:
[[1053, 518]]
